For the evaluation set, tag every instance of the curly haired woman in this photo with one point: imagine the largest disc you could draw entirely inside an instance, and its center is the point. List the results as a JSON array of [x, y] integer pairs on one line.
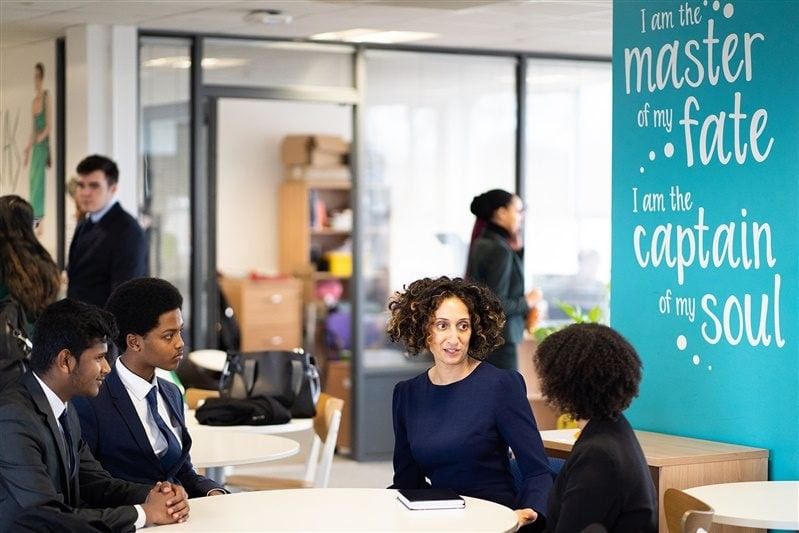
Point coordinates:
[[592, 372], [453, 424]]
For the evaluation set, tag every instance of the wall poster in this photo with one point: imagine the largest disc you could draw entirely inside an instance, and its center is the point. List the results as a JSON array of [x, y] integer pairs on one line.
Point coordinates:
[[705, 270]]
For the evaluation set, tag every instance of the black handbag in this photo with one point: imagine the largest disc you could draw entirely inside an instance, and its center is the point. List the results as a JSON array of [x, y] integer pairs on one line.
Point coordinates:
[[15, 345], [289, 377], [255, 411]]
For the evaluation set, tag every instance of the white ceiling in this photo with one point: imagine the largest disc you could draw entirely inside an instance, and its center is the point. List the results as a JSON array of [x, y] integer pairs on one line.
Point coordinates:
[[579, 27]]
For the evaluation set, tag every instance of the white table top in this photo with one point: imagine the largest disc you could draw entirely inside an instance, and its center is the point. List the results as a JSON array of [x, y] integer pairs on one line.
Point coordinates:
[[337, 510], [217, 448], [756, 504], [563, 436], [296, 424], [209, 359]]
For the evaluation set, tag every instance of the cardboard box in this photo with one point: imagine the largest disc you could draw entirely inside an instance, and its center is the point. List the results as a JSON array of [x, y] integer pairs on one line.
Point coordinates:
[[315, 150]]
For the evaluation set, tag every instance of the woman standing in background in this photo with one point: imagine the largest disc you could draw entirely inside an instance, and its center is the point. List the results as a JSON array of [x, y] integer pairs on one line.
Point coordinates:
[[38, 149], [496, 260]]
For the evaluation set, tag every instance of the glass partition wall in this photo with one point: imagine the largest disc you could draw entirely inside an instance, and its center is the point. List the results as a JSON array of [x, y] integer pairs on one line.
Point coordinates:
[[430, 130], [165, 182], [567, 225]]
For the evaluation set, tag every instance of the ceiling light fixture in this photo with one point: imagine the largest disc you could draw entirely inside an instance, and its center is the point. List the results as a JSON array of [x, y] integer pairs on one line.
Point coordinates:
[[270, 17], [366, 35], [183, 62]]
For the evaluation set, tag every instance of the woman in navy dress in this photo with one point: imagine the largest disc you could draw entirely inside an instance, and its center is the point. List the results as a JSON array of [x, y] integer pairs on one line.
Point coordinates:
[[454, 424]]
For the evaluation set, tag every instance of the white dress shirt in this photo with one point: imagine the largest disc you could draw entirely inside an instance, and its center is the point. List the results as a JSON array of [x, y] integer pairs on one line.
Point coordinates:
[[97, 216], [58, 408], [138, 388]]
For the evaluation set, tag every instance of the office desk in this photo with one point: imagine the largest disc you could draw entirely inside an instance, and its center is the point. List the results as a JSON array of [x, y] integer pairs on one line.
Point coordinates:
[[214, 450], [322, 510], [294, 425], [681, 462], [760, 504]]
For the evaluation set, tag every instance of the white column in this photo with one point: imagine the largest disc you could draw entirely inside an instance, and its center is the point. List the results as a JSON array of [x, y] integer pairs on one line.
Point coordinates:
[[101, 101]]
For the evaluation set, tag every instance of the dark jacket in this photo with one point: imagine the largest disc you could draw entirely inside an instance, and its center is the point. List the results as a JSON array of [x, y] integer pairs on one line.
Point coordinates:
[[604, 481], [115, 435], [494, 263], [33, 468], [104, 255]]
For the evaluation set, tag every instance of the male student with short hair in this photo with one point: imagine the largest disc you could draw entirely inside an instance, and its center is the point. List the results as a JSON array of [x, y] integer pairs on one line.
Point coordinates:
[[44, 461], [109, 246], [135, 427]]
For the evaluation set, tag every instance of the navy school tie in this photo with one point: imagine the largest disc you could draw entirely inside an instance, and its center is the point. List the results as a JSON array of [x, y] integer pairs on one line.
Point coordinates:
[[72, 467], [173, 450]]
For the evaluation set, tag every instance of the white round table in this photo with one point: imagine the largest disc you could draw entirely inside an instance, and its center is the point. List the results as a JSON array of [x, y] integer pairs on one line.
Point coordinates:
[[213, 360], [215, 450], [295, 425], [337, 510], [756, 504]]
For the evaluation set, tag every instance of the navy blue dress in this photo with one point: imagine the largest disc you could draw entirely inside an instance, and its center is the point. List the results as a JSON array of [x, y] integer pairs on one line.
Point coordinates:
[[458, 435]]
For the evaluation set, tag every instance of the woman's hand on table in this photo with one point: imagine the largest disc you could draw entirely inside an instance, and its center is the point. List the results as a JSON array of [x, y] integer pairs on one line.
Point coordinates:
[[525, 516]]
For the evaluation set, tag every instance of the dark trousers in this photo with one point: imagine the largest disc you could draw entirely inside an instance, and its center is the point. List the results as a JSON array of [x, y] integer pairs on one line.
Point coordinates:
[[504, 357]]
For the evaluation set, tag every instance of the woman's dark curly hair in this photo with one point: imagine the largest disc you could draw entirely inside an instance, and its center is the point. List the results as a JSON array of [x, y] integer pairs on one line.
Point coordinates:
[[588, 371], [413, 313]]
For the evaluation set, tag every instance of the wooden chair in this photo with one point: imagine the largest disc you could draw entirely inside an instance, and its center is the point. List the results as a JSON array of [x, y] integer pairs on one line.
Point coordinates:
[[193, 396], [320, 459], [686, 514]]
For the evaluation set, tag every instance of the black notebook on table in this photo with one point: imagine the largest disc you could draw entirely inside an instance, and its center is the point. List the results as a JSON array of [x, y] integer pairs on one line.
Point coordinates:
[[417, 499]]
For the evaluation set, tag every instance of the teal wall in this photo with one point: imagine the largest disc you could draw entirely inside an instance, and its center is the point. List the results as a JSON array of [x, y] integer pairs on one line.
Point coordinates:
[[706, 286]]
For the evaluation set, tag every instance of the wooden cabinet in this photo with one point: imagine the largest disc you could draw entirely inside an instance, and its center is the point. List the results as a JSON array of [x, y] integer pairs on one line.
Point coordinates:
[[269, 312], [313, 222]]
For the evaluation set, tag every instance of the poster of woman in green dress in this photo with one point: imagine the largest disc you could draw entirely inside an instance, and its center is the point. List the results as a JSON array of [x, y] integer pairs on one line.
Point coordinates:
[[38, 149]]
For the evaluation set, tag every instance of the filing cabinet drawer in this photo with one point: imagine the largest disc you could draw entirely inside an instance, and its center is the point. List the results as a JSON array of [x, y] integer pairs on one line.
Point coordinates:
[[269, 312], [272, 304], [257, 338]]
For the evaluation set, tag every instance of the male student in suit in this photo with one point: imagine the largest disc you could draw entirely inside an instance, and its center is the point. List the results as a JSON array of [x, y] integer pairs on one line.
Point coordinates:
[[109, 246], [135, 427], [44, 462]]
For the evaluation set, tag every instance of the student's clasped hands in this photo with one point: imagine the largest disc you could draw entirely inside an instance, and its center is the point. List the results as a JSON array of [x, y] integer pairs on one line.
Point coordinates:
[[166, 503]]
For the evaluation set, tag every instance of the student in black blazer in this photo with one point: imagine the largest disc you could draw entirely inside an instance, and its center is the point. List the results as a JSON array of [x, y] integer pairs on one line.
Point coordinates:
[[135, 427], [109, 246], [495, 259], [44, 462], [592, 373]]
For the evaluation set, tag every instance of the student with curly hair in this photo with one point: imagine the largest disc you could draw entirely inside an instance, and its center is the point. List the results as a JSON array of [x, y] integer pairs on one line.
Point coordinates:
[[453, 424], [592, 372]]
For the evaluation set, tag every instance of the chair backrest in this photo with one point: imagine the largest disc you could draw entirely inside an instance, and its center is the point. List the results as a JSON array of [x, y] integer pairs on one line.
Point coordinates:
[[326, 424], [686, 514]]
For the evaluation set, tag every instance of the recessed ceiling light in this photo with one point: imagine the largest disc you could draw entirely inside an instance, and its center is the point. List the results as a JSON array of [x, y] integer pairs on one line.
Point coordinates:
[[366, 35], [270, 17]]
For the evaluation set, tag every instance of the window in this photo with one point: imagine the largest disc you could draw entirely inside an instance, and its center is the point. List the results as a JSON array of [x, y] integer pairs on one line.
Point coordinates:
[[164, 192], [439, 129], [568, 182]]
